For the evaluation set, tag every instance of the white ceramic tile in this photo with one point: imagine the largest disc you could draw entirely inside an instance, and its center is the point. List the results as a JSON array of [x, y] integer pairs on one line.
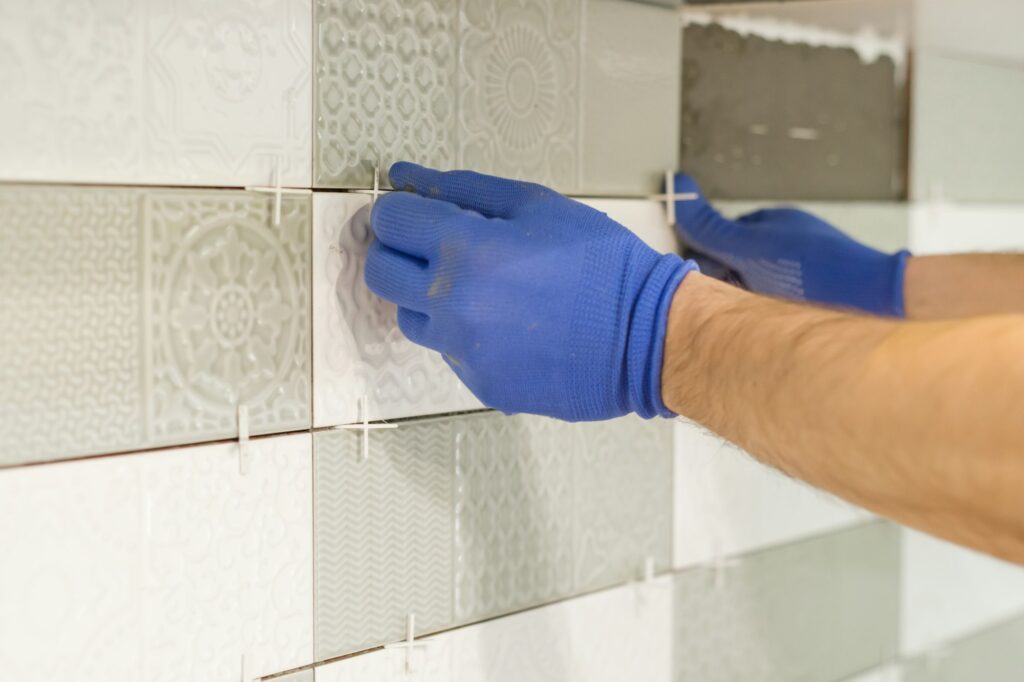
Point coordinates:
[[727, 503], [950, 592], [982, 28], [647, 219], [358, 348], [620, 634], [169, 565], [887, 673], [951, 228], [186, 92]]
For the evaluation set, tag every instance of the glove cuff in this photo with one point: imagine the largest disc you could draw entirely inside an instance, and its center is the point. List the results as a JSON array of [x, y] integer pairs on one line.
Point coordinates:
[[646, 348]]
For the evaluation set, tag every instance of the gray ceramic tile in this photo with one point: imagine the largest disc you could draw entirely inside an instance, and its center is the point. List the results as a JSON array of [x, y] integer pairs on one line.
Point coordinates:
[[136, 318], [817, 610], [383, 537], [623, 500], [500, 87], [767, 119], [966, 121], [993, 655], [300, 676]]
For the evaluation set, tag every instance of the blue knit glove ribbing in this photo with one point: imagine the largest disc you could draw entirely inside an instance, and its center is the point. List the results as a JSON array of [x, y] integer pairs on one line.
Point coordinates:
[[539, 304], [792, 254]]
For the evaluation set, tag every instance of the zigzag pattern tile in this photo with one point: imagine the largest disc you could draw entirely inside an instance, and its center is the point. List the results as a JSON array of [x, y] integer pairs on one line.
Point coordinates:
[[513, 508], [383, 536], [358, 348], [623, 500], [144, 317]]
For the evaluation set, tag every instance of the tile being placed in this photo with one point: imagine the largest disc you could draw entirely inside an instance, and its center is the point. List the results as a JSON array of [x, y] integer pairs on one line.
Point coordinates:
[[764, 117], [963, 147], [157, 93], [993, 655], [619, 634], [950, 593], [138, 318], [820, 609], [383, 535], [357, 346], [941, 227], [727, 503], [169, 565]]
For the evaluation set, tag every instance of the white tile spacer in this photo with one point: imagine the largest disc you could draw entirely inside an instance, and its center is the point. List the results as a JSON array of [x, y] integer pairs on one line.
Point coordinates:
[[244, 455], [278, 191], [365, 426], [649, 583], [409, 643], [670, 197], [719, 565], [376, 191]]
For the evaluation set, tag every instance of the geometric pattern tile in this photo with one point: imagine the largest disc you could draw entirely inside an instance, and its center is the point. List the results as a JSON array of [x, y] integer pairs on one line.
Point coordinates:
[[137, 318], [820, 609], [357, 345], [157, 93], [383, 536], [164, 566]]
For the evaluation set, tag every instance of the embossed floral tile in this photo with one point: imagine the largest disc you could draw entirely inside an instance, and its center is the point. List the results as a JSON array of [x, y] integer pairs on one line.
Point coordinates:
[[552, 91], [137, 318], [153, 92]]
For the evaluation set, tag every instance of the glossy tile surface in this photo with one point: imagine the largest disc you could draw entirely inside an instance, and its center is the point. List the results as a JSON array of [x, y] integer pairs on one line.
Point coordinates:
[[609, 636], [727, 503], [358, 348], [136, 318], [157, 93], [960, 147], [993, 655], [383, 535], [768, 119], [821, 609], [526, 88], [950, 592], [162, 566]]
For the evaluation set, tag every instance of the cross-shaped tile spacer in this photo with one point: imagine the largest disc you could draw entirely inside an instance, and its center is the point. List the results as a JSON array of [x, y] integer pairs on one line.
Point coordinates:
[[719, 565], [278, 191], [376, 191], [365, 426], [242, 415], [649, 581], [670, 197], [409, 643]]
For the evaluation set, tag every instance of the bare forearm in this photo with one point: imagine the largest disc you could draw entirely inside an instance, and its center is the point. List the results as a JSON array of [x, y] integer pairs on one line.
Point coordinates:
[[966, 285], [921, 422]]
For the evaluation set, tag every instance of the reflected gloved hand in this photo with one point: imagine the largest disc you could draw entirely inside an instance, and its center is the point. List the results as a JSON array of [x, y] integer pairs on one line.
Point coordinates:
[[791, 254], [539, 304]]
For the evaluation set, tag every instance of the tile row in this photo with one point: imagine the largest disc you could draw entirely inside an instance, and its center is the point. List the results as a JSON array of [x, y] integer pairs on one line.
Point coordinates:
[[458, 520], [109, 93], [138, 318]]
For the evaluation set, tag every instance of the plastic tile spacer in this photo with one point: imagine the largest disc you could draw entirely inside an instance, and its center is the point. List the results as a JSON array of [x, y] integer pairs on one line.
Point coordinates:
[[376, 191], [278, 191], [244, 454], [409, 643], [365, 426], [670, 197]]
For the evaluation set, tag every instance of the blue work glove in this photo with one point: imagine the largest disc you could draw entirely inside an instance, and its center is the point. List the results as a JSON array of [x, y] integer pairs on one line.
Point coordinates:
[[791, 254], [539, 304]]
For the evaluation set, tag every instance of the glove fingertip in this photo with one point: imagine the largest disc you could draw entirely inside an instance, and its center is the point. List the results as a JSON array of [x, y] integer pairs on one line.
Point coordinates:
[[406, 176]]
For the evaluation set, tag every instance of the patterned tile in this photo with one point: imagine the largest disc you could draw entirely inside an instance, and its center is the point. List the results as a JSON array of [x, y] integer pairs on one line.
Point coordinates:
[[623, 500], [161, 566], [383, 535], [144, 317], [822, 609], [789, 124], [157, 93], [993, 655], [357, 345]]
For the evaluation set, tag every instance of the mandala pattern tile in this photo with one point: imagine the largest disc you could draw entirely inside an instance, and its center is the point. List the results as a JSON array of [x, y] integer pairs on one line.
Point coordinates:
[[385, 80], [157, 93], [623, 501], [145, 317], [993, 655], [513, 513], [358, 348], [383, 535], [162, 566], [821, 609]]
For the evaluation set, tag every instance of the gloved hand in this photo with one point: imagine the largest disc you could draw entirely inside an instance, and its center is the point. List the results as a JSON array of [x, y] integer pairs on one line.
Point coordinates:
[[792, 254], [539, 304]]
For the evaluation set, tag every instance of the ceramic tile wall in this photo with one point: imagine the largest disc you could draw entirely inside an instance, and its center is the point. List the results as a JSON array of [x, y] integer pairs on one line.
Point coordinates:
[[831, 128], [169, 565], [942, 227], [993, 655], [528, 88], [619, 634], [157, 93], [821, 609], [465, 518], [136, 318]]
